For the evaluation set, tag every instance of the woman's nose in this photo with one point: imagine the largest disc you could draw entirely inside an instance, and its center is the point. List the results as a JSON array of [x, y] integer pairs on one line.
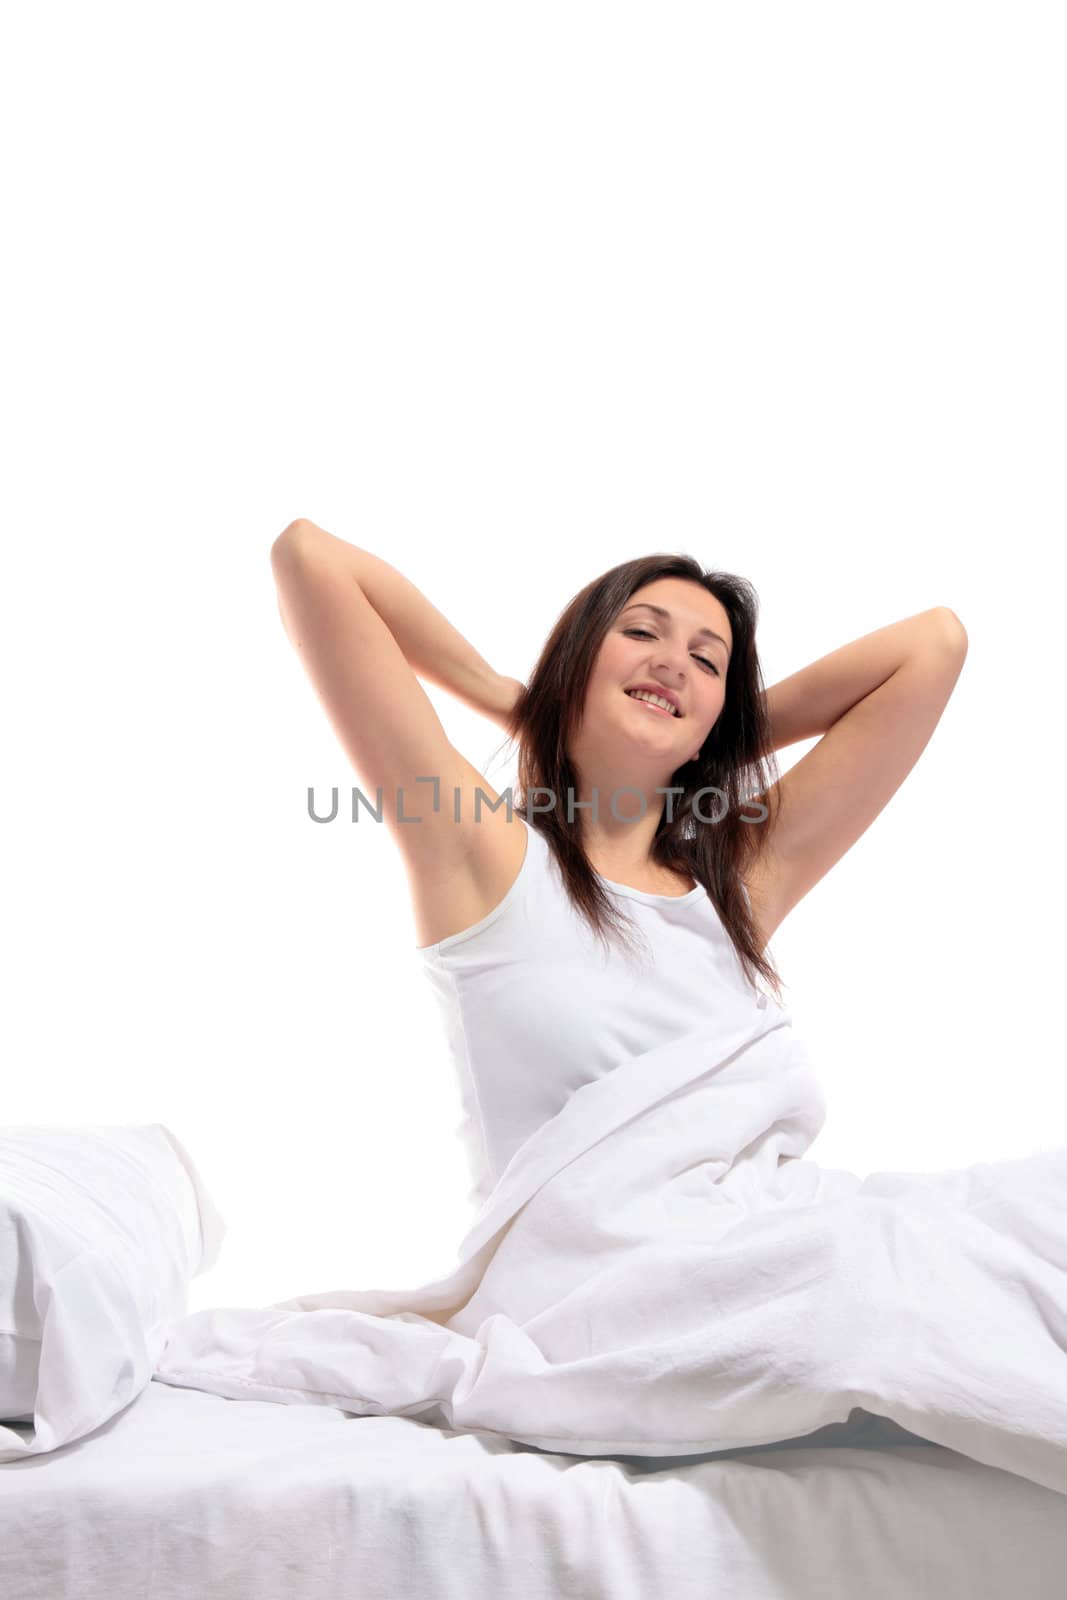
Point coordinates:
[[670, 663]]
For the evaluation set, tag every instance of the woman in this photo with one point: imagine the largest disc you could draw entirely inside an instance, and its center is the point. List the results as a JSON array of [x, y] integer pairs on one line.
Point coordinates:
[[657, 1268], [366, 635], [645, 752]]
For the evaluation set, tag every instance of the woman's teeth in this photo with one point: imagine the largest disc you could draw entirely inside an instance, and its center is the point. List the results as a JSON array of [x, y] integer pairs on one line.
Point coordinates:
[[652, 705]]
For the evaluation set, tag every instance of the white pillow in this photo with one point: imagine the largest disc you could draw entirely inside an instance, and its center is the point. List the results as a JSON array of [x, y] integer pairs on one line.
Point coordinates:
[[101, 1231]]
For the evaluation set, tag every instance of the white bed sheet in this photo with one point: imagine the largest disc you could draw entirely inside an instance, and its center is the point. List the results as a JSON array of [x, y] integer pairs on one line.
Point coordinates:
[[186, 1493]]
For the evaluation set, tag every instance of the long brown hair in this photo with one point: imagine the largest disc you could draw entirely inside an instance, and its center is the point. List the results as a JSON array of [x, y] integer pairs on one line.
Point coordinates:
[[736, 759]]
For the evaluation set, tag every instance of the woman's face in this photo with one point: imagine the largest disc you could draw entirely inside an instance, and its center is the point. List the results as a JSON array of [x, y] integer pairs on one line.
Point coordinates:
[[676, 657]]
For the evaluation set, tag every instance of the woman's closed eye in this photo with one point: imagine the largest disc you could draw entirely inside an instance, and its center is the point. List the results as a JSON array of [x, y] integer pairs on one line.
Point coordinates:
[[643, 633]]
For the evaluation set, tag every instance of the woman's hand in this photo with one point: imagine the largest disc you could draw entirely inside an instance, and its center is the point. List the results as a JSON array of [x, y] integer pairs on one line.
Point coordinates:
[[504, 701]]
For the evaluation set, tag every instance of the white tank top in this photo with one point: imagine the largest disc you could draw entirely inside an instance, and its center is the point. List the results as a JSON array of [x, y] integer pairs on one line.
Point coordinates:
[[534, 1008]]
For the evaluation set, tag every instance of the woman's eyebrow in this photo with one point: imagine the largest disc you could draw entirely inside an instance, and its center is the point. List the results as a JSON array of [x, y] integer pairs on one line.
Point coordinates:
[[661, 611]]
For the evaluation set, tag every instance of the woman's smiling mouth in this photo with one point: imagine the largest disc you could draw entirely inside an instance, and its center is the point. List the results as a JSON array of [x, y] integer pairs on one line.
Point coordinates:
[[649, 705]]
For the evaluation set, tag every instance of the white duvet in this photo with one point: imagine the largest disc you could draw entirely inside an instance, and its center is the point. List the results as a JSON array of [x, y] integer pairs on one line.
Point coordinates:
[[660, 1272]]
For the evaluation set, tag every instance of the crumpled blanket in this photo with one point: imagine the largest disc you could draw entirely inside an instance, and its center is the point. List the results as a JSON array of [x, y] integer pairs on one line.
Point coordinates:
[[659, 1271]]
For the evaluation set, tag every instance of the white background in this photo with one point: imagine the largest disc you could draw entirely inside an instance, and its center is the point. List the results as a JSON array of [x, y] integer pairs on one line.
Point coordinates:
[[508, 295]]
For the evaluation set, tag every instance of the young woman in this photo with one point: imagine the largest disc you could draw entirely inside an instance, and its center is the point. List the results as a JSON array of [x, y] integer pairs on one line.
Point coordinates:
[[661, 625], [650, 818], [657, 1267]]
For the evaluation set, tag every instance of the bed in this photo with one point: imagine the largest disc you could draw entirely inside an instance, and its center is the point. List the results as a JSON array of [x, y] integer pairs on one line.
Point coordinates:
[[385, 1443], [186, 1494]]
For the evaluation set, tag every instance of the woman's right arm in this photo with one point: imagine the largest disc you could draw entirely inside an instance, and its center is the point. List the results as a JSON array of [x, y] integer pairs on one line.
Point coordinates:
[[362, 633], [432, 647]]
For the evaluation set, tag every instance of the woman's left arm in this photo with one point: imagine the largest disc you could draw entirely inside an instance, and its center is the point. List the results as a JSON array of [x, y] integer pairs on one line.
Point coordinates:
[[810, 701], [875, 703]]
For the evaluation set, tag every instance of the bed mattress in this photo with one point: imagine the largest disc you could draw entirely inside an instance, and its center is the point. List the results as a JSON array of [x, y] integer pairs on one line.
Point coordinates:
[[185, 1493]]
